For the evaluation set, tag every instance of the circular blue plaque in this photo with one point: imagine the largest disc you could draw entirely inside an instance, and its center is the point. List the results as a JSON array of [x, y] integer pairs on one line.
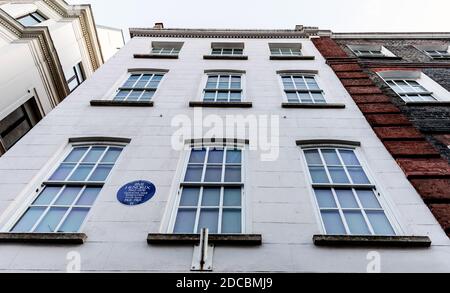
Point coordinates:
[[136, 193]]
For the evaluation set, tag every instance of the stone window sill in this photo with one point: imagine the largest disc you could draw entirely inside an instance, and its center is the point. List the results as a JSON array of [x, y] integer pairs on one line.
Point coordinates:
[[43, 238], [313, 106], [372, 241], [225, 57], [196, 104], [278, 57], [112, 103], [155, 56], [429, 103], [216, 239]]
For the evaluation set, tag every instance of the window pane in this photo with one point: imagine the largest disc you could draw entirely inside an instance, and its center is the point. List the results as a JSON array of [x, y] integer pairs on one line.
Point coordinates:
[[185, 221], [305, 97], [121, 95], [222, 97], [101, 173], [134, 96], [197, 156], [231, 221], [313, 157], [51, 220], [75, 155], [325, 198], [318, 98], [74, 220], [233, 174], [368, 199], [62, 172], [68, 196], [235, 96], [380, 223], [338, 175], [358, 175], [331, 157], [28, 220], [28, 21], [213, 174], [232, 197], [346, 198], [356, 223], [209, 218], [209, 96], [147, 96], [194, 174], [211, 197], [94, 155], [111, 155], [333, 223], [189, 197], [292, 97], [88, 197], [215, 156], [234, 156], [349, 157], [47, 196], [132, 80], [81, 173], [318, 175]]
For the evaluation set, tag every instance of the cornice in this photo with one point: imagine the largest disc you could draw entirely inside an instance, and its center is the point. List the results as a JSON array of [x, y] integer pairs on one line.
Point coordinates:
[[87, 22], [42, 35], [299, 32], [392, 35]]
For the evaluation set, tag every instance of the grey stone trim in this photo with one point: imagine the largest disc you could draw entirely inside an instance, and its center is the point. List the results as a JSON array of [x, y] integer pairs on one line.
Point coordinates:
[[328, 142], [112, 103], [434, 104], [197, 104], [225, 70], [131, 70], [225, 57], [276, 57], [216, 239], [372, 241], [297, 72], [43, 238], [313, 106], [100, 138], [155, 56]]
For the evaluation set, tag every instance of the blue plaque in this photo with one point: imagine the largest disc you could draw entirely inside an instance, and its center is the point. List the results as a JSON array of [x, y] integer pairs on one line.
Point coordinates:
[[136, 193]]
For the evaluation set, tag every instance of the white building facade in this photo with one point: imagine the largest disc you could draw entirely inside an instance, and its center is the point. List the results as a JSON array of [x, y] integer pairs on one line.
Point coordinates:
[[47, 49], [304, 186]]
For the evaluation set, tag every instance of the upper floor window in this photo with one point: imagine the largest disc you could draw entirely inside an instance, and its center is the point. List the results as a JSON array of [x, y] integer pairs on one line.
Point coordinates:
[[370, 51], [227, 49], [284, 49], [32, 19], [435, 51], [69, 193], [414, 86], [166, 48], [76, 77], [301, 88], [347, 200], [139, 87], [410, 90], [223, 88], [211, 192], [14, 126]]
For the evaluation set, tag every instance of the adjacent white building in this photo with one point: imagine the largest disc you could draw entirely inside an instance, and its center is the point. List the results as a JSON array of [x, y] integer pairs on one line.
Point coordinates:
[[307, 187], [47, 49]]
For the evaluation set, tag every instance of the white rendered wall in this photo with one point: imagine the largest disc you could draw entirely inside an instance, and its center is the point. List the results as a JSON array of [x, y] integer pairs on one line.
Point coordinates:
[[111, 40], [279, 195]]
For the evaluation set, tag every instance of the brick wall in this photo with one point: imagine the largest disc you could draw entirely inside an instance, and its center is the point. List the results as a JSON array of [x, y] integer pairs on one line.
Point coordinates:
[[416, 136]]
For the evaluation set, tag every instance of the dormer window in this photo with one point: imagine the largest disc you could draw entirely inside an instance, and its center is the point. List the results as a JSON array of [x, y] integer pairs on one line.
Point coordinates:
[[285, 49], [371, 51], [166, 48], [436, 51], [227, 51]]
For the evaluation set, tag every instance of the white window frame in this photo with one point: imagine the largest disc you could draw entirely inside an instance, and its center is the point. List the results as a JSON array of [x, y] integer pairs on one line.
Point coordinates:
[[243, 184], [218, 73], [40, 19], [123, 80], [43, 181], [173, 47], [375, 51], [406, 95], [233, 52], [304, 74], [385, 204]]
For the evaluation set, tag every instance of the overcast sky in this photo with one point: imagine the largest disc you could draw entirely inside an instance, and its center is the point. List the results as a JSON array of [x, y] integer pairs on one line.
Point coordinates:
[[337, 15]]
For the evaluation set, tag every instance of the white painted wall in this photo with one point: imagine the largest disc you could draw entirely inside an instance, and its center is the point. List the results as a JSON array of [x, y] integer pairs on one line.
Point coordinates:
[[111, 40], [281, 206]]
